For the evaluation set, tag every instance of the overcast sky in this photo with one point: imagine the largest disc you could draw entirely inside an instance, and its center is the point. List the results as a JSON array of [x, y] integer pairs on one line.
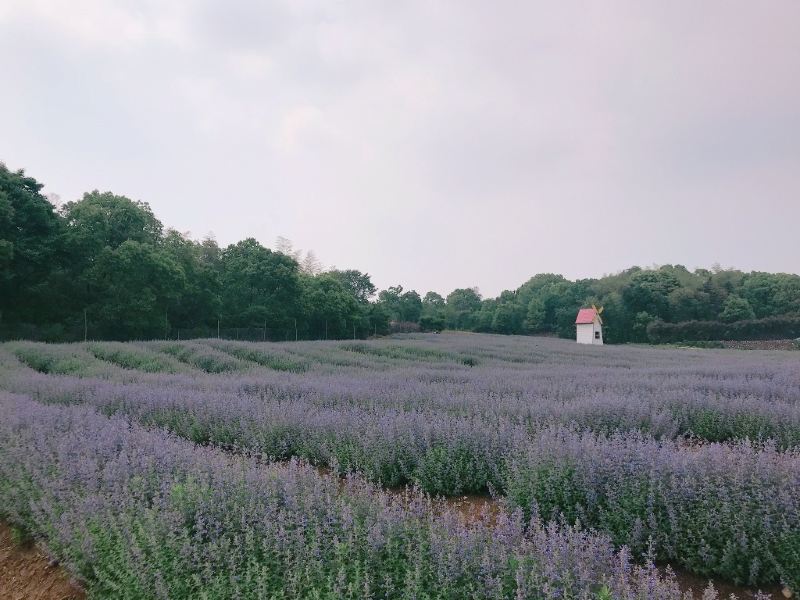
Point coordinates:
[[432, 144]]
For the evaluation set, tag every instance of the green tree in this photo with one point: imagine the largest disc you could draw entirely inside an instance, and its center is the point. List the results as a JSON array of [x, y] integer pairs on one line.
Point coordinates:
[[31, 247], [401, 306], [462, 304], [432, 302], [410, 306], [378, 319], [105, 220], [390, 301], [433, 322], [687, 304], [648, 291], [331, 311], [259, 286], [771, 294], [535, 315], [510, 314], [97, 223], [433, 312], [199, 304], [136, 285], [357, 283], [736, 309], [641, 321], [504, 319]]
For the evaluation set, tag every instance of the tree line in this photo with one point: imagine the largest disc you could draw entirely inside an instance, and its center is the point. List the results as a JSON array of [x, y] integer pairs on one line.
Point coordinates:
[[664, 304], [105, 267]]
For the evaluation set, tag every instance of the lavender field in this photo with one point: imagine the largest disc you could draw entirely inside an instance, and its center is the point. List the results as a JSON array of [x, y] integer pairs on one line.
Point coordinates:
[[224, 469]]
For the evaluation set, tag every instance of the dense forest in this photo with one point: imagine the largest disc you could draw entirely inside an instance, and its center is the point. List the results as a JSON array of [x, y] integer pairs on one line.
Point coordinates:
[[104, 267]]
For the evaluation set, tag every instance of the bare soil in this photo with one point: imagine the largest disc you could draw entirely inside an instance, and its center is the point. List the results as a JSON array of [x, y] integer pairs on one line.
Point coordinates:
[[761, 344], [698, 584], [475, 508], [26, 573]]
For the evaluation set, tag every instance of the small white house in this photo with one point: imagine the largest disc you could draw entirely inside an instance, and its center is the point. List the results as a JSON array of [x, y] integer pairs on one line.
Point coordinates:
[[589, 326]]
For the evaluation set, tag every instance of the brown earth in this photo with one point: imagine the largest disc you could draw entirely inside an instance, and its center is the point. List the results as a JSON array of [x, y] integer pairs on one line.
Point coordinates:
[[697, 584], [761, 345], [26, 573]]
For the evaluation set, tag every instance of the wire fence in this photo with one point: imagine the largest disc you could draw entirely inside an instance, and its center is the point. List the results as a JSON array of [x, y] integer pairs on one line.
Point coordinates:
[[86, 330]]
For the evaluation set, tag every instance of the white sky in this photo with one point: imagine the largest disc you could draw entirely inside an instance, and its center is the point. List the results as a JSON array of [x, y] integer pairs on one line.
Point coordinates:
[[432, 144]]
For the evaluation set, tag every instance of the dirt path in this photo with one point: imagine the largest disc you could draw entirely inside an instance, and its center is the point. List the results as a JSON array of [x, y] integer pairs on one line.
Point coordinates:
[[26, 574]]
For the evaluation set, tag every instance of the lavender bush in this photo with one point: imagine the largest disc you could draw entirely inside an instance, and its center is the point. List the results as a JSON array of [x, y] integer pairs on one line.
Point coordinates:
[[200, 356], [59, 359], [413, 410], [725, 510], [142, 514], [271, 358], [129, 356]]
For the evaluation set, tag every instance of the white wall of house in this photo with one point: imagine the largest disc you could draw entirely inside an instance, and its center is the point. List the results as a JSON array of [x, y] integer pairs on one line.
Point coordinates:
[[597, 336], [586, 333]]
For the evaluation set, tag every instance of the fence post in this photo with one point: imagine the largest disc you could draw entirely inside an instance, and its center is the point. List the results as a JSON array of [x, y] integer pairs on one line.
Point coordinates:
[[85, 326]]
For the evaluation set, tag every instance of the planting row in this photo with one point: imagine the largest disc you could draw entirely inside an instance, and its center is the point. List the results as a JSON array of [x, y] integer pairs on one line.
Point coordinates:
[[718, 509], [726, 510], [140, 514], [711, 402]]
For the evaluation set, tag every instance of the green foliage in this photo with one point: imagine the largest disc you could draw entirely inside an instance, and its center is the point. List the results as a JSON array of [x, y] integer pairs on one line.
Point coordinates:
[[20, 536], [462, 304], [637, 302], [402, 306], [258, 285], [330, 309], [736, 308], [277, 360], [105, 220], [434, 313], [781, 327], [118, 274], [131, 357], [648, 292], [30, 249], [60, 359], [136, 284], [432, 322], [358, 284], [451, 470], [202, 357]]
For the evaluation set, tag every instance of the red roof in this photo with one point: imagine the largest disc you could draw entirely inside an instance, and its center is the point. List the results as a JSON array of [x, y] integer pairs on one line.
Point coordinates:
[[585, 315]]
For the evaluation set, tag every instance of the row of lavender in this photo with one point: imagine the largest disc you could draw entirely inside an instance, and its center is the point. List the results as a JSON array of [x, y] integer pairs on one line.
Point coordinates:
[[729, 510], [139, 513], [715, 509], [712, 396]]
